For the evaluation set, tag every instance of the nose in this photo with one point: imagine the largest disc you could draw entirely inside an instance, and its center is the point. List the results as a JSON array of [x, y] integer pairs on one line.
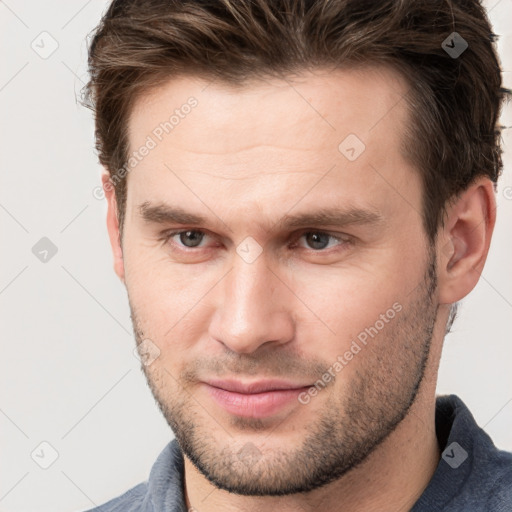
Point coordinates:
[[253, 308]]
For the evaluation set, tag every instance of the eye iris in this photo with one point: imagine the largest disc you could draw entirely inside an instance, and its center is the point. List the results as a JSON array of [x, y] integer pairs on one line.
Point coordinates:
[[195, 236], [313, 240]]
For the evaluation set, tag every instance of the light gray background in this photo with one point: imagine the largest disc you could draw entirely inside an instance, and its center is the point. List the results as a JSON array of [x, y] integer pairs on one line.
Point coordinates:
[[68, 373]]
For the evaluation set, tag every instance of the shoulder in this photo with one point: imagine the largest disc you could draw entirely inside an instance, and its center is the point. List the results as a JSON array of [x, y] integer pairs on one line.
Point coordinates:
[[164, 488], [131, 501], [500, 492], [473, 475]]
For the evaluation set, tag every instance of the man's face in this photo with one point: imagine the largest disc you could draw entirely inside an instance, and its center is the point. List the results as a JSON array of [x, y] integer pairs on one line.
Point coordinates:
[[248, 295]]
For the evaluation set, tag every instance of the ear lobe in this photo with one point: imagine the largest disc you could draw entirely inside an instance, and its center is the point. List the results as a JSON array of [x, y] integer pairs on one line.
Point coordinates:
[[113, 225], [463, 242]]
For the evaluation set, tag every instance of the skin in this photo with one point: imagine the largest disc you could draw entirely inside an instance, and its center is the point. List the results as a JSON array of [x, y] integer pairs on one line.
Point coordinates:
[[244, 158]]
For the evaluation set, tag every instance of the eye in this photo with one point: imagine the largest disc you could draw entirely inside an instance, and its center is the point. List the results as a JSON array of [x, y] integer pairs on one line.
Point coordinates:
[[319, 240], [190, 238]]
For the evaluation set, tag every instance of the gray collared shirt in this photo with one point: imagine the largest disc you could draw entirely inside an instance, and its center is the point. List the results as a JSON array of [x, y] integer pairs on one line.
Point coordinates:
[[472, 474]]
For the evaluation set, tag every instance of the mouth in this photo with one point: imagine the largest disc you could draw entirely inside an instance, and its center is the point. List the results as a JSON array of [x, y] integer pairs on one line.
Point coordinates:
[[257, 399]]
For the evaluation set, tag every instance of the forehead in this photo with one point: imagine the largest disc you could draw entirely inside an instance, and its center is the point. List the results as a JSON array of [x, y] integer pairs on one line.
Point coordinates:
[[330, 102], [268, 139]]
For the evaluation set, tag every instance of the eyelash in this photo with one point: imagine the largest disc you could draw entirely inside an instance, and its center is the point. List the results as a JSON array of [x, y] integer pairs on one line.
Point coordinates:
[[344, 240]]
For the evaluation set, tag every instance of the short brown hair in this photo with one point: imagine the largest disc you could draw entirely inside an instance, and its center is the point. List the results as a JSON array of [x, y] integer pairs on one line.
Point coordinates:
[[452, 137]]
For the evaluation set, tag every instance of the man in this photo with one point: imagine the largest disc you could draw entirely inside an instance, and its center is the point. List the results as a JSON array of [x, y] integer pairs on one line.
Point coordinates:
[[299, 193]]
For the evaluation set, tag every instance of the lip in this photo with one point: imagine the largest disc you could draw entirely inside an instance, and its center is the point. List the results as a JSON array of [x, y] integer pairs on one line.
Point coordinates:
[[256, 399], [258, 386]]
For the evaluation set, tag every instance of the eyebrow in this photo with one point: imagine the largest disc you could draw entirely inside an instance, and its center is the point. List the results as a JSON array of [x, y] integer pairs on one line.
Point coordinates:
[[162, 213]]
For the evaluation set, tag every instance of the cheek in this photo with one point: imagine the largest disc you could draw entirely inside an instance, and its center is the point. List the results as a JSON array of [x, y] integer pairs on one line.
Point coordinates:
[[169, 303], [344, 309], [361, 303], [353, 290]]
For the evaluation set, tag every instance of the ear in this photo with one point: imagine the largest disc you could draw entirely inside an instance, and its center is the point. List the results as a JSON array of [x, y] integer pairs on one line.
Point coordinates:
[[113, 225], [464, 240]]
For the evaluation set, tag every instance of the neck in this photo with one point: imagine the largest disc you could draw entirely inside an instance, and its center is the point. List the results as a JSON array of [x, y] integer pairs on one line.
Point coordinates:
[[392, 477]]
